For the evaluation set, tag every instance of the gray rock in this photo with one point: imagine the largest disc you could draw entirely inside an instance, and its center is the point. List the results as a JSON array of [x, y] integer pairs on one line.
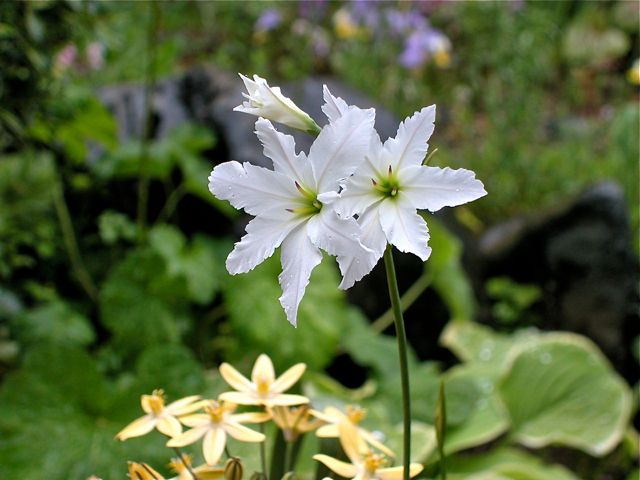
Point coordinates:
[[581, 255], [207, 95]]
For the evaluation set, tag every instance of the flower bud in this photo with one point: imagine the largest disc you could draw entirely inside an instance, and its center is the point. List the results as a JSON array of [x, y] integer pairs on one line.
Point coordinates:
[[233, 469], [258, 476], [269, 102]]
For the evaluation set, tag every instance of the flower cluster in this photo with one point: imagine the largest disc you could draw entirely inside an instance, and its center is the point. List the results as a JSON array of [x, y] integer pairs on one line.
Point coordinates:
[[215, 420], [350, 196]]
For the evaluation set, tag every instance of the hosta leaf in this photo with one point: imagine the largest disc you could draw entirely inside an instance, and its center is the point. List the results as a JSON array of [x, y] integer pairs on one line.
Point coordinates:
[[559, 389], [504, 463]]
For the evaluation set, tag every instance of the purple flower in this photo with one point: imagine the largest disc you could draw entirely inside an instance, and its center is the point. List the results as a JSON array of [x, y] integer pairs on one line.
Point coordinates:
[[421, 45], [269, 19], [403, 21], [67, 56], [365, 12], [312, 9], [95, 55]]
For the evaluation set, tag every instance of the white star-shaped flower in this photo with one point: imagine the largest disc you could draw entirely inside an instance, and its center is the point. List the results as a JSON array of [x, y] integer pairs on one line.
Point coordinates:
[[391, 184], [292, 203]]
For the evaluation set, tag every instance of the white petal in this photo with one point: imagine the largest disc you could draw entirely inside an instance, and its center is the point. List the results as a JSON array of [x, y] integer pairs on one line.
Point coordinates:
[[280, 148], [357, 195], [333, 107], [433, 188], [409, 147], [404, 228], [353, 268], [335, 235], [299, 257], [263, 236], [256, 189], [341, 147], [213, 445]]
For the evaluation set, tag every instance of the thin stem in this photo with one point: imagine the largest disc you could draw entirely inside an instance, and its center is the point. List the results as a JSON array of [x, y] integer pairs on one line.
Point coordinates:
[[185, 463], [288, 457], [71, 244], [394, 296], [263, 454], [407, 299], [149, 87]]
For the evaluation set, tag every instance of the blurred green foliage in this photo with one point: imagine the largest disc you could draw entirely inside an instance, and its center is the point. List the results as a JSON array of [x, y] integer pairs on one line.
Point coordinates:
[[98, 307]]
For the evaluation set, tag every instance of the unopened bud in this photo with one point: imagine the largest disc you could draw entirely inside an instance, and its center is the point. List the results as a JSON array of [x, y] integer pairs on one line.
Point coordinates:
[[233, 469]]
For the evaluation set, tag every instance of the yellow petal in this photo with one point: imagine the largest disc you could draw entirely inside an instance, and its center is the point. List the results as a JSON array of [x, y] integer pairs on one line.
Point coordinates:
[[242, 433], [288, 378], [184, 405], [240, 398], [213, 445], [328, 431], [188, 437], [352, 444], [142, 471], [196, 420], [395, 473], [169, 425], [250, 417], [235, 378], [285, 399], [371, 440], [137, 428], [205, 472], [263, 370], [343, 469]]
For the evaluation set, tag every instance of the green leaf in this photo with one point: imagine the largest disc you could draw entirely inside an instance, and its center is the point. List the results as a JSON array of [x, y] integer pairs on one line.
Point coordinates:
[[54, 322], [114, 226], [68, 413], [505, 463], [559, 389], [257, 319], [486, 417], [200, 264], [138, 302]]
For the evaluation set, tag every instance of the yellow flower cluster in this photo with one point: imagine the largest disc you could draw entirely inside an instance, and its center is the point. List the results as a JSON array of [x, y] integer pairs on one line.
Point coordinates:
[[214, 421]]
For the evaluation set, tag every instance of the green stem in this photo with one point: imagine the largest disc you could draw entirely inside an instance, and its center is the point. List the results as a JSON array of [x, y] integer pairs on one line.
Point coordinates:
[[149, 87], [407, 299], [263, 455], [70, 242], [288, 457], [185, 463], [394, 296]]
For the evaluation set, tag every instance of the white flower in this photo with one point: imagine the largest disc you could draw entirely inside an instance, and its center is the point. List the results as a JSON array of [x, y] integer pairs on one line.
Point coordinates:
[[268, 102], [292, 202], [392, 183]]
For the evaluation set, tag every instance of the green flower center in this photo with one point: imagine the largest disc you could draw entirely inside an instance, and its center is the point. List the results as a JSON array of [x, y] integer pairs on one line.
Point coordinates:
[[310, 205], [388, 185]]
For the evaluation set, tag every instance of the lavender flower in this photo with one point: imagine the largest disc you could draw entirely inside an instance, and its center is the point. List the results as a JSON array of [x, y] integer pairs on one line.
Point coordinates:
[[269, 19]]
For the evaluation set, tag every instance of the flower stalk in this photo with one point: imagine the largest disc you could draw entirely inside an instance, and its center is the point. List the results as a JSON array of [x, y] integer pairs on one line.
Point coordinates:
[[401, 335]]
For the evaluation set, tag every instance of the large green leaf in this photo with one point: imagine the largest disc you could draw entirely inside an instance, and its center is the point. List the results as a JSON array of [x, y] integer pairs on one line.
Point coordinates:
[[504, 464], [486, 417], [559, 389]]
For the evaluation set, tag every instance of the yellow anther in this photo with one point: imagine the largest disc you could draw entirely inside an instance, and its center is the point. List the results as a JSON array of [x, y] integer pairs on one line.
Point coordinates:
[[355, 413], [156, 401]]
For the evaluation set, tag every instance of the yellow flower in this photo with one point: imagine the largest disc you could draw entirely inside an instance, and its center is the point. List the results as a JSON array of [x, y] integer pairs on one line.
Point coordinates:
[[203, 472], [159, 416], [263, 388], [294, 421], [365, 465], [354, 415], [142, 471], [214, 425]]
